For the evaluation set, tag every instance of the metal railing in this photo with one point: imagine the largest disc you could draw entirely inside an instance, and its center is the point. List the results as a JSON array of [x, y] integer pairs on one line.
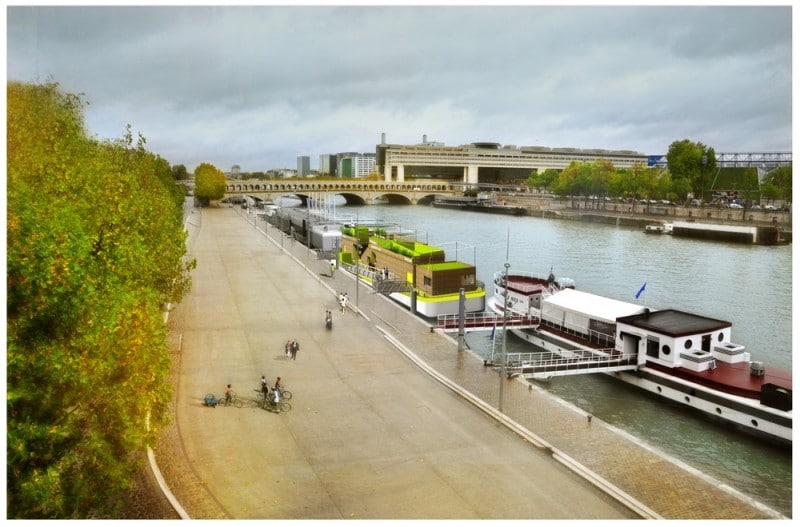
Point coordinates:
[[547, 364]]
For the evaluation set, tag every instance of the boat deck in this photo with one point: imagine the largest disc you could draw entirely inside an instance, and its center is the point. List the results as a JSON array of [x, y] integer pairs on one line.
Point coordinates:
[[732, 378]]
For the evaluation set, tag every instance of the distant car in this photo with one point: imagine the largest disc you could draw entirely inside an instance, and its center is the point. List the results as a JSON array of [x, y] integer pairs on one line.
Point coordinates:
[[735, 206], [756, 207], [769, 207], [416, 188]]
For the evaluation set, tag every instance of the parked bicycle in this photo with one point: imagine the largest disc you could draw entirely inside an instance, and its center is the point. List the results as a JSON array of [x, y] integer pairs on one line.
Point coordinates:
[[235, 401]]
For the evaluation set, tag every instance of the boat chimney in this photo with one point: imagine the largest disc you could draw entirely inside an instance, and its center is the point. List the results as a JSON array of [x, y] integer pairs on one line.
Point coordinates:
[[756, 369], [383, 138], [647, 312]]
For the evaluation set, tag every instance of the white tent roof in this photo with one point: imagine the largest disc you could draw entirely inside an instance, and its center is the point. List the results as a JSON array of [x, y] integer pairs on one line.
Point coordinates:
[[593, 306]]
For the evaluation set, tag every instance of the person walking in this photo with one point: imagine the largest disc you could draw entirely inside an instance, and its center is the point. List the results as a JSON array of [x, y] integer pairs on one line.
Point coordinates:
[[288, 348], [328, 319], [295, 349]]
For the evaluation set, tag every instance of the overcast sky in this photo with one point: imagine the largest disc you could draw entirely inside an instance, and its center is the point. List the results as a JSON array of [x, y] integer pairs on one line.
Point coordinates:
[[258, 86]]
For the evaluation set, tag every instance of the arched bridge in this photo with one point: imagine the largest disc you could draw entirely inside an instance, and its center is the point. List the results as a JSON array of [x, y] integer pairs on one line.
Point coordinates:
[[355, 192]]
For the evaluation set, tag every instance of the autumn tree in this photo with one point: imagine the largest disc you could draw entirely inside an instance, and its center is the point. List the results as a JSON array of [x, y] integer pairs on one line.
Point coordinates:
[[95, 250], [209, 182]]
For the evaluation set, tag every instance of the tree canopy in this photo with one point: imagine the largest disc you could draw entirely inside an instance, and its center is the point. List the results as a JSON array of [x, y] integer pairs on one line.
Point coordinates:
[[209, 182], [95, 251], [694, 162]]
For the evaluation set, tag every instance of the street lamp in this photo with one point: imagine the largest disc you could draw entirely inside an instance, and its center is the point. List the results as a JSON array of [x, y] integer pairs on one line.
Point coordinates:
[[503, 355], [703, 162]]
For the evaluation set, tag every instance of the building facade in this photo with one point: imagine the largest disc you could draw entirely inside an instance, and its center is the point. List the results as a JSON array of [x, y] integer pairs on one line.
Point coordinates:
[[327, 165], [357, 166], [487, 162], [303, 166]]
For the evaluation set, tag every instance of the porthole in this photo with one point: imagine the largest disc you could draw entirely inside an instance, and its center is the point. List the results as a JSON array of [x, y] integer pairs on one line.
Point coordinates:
[[719, 337], [754, 423], [687, 399], [688, 344], [719, 411], [665, 349], [659, 389]]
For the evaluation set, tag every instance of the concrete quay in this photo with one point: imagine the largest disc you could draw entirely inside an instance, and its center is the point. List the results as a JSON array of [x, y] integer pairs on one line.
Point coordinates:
[[368, 436]]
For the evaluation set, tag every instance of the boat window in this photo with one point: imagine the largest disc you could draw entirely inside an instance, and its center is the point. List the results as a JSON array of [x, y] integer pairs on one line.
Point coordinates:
[[652, 348], [426, 281], [688, 344], [720, 336], [665, 349]]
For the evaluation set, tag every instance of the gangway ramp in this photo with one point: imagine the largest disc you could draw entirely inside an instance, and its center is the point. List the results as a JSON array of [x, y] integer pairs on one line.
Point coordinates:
[[484, 322], [543, 365]]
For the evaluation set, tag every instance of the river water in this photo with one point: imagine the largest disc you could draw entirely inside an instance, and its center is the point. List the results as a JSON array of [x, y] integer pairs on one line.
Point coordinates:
[[751, 286]]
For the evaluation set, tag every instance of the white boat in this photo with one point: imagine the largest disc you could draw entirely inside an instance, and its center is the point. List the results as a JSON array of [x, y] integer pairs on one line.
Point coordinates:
[[686, 358], [658, 228]]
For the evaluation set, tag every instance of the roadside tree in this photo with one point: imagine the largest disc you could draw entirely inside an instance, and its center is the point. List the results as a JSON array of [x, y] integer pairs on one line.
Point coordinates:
[[209, 183]]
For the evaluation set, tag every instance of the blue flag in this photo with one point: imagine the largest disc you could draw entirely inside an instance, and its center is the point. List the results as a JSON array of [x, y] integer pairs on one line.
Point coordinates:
[[641, 290]]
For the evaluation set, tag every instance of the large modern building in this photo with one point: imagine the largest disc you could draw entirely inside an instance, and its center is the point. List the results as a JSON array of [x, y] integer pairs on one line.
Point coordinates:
[[303, 166], [486, 162], [327, 165], [356, 166]]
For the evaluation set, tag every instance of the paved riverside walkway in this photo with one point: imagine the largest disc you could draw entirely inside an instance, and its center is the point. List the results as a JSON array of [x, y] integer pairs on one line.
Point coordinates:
[[390, 421]]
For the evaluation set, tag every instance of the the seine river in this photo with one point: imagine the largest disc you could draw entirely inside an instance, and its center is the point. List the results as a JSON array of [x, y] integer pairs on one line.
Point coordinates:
[[751, 286]]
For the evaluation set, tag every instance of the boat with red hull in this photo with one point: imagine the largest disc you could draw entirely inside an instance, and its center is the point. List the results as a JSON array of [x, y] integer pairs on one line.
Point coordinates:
[[681, 356]]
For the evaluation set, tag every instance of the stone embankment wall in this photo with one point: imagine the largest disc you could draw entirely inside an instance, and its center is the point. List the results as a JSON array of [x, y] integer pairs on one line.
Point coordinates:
[[641, 215]]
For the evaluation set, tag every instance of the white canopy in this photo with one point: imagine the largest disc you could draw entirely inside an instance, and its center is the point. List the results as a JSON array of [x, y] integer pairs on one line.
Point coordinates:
[[575, 309]]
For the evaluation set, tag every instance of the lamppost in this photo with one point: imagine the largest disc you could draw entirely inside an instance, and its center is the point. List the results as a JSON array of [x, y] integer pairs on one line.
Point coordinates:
[[358, 257], [703, 162], [503, 355]]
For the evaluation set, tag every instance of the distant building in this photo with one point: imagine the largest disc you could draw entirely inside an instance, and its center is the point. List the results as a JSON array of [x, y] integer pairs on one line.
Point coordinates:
[[486, 162], [357, 166], [303, 166], [327, 165]]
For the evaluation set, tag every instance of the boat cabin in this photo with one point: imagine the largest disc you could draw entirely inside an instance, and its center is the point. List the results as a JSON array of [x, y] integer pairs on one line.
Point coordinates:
[[582, 315], [675, 338]]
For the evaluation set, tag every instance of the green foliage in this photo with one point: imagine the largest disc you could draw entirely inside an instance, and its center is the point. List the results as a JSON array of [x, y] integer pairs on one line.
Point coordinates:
[[781, 178], [694, 162], [95, 249], [544, 179], [209, 182], [179, 173]]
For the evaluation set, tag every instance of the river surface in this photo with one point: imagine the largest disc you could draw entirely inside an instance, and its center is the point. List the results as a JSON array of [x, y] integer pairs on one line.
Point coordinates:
[[748, 285]]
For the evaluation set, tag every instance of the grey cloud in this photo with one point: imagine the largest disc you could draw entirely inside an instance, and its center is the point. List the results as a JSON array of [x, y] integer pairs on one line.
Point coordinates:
[[258, 86]]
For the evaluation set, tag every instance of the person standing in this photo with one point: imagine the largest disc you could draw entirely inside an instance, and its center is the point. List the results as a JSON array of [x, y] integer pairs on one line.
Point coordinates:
[[288, 348], [295, 349], [228, 395]]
